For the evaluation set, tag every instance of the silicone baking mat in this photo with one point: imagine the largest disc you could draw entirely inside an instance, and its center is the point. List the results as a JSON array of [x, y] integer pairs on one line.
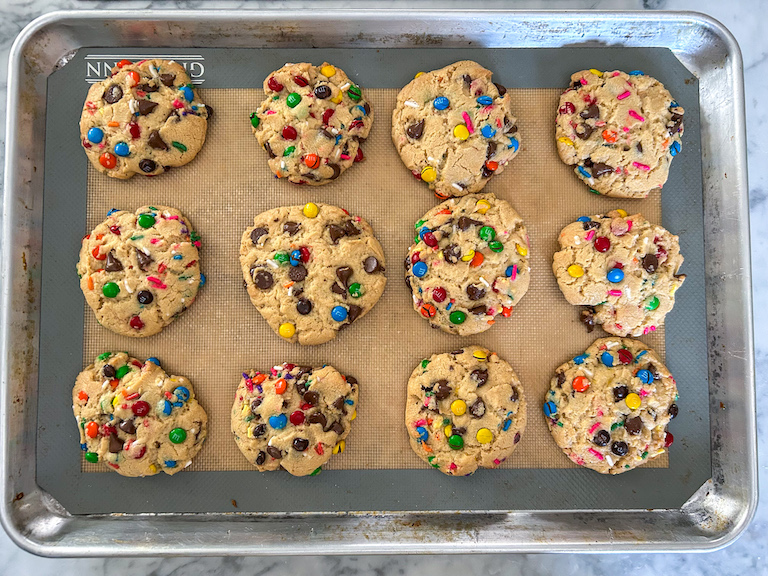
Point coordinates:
[[222, 334]]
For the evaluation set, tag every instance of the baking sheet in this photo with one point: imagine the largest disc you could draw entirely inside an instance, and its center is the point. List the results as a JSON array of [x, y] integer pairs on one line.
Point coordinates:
[[222, 334]]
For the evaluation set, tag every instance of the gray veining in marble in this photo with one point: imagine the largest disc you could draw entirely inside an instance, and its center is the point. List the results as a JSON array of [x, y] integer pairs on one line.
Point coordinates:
[[746, 556]]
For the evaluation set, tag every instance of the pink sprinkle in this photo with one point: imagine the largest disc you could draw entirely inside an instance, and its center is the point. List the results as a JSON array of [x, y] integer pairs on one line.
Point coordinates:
[[641, 166], [154, 240], [629, 225], [269, 112], [636, 116], [140, 62], [590, 235], [600, 123], [615, 74], [649, 329], [514, 272], [623, 95], [426, 400], [174, 217], [595, 453], [273, 371], [157, 282], [599, 412], [421, 422], [177, 104], [614, 292], [496, 461], [197, 243], [625, 129], [249, 385], [452, 466], [491, 311], [345, 156], [468, 122], [583, 82], [644, 392], [594, 427]]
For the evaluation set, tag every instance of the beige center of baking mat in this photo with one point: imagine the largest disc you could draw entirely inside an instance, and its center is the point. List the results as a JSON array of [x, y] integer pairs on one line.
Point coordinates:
[[222, 334]]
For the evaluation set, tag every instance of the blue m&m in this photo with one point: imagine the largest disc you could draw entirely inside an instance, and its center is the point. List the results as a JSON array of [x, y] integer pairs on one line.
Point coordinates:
[[95, 135], [278, 422], [441, 103], [485, 100], [121, 149], [550, 408], [615, 275], [339, 313], [488, 131], [419, 269]]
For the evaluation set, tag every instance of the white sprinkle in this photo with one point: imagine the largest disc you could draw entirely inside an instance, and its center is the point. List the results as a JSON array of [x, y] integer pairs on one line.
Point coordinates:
[[166, 214], [334, 130], [132, 105], [188, 463], [273, 264], [431, 159], [127, 286], [145, 250], [411, 104], [609, 459], [171, 61], [484, 281], [612, 344], [153, 71], [290, 291], [345, 86], [576, 240], [459, 188], [282, 164]]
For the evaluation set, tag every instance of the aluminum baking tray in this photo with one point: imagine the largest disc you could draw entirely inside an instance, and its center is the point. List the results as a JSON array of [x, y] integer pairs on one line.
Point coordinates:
[[711, 518]]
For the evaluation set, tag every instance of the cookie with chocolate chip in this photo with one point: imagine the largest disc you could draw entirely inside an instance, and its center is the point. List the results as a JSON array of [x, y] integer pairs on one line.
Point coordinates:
[[469, 263], [140, 270], [624, 268], [608, 408], [143, 119], [311, 270], [135, 418], [293, 417], [454, 128], [311, 123], [619, 130], [465, 410]]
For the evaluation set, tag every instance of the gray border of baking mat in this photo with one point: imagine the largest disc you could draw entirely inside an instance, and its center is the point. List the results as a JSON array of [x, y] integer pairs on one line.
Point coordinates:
[[58, 453]]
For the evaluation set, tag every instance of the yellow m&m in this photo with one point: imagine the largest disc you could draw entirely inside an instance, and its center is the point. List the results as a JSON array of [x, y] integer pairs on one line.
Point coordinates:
[[622, 213], [339, 447], [287, 330], [448, 431], [461, 132], [596, 72], [522, 250], [328, 70], [565, 140], [428, 174], [575, 271], [468, 256], [484, 436], [458, 407], [480, 355], [633, 401], [482, 206], [311, 210]]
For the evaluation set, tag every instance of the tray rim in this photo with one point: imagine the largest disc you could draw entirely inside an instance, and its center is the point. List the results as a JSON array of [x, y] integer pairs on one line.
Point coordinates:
[[712, 519]]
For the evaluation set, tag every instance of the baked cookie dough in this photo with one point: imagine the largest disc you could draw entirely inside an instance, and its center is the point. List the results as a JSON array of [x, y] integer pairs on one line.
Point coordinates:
[[311, 123], [135, 418], [143, 119], [620, 130], [294, 417], [139, 271], [608, 408], [468, 264], [465, 410], [454, 128], [624, 267], [311, 270]]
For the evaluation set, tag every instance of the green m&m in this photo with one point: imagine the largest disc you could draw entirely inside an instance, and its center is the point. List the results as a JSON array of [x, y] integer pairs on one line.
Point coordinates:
[[457, 317], [110, 290], [177, 435], [355, 290], [456, 442], [146, 220], [496, 246], [487, 233], [293, 99], [354, 93], [92, 457], [254, 120], [653, 303]]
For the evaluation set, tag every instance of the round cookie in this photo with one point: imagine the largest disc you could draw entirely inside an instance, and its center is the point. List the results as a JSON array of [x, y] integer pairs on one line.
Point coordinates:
[[465, 410], [311, 270], [139, 271], [624, 267], [295, 417], [135, 418], [454, 128], [608, 408], [311, 123], [468, 264], [143, 119], [620, 130]]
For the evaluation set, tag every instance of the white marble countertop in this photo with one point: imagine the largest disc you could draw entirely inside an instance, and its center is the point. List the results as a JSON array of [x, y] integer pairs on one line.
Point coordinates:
[[745, 556]]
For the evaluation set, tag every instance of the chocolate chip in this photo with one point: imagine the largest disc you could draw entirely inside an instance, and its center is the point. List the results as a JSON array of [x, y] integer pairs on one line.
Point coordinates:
[[371, 265], [639, 147], [144, 260], [255, 403], [584, 131], [350, 229], [113, 94], [589, 224], [322, 91], [147, 166], [677, 123], [145, 297], [268, 148], [156, 142], [452, 253], [464, 223], [353, 313], [592, 111], [127, 426], [650, 263], [486, 172], [602, 438], [337, 288], [311, 397], [477, 408], [344, 273], [336, 170], [257, 233], [517, 437], [263, 279], [512, 129], [274, 452], [560, 379], [147, 87], [338, 403], [598, 169], [337, 428], [479, 376], [297, 273], [502, 90], [328, 134], [467, 79], [479, 310], [146, 107], [475, 292], [351, 380], [587, 317], [672, 411], [260, 430], [634, 425], [415, 131], [442, 390], [619, 448], [457, 352], [291, 227], [115, 444], [318, 418], [167, 79], [260, 458], [620, 392], [303, 306], [515, 396], [458, 431], [302, 386], [112, 264], [300, 444], [335, 232], [490, 150]]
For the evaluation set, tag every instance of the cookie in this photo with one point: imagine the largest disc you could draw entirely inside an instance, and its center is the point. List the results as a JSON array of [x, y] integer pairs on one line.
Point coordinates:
[[465, 410], [295, 417], [311, 123], [135, 418], [454, 128], [139, 271], [608, 408], [622, 266], [620, 130], [144, 119], [311, 270], [468, 264]]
